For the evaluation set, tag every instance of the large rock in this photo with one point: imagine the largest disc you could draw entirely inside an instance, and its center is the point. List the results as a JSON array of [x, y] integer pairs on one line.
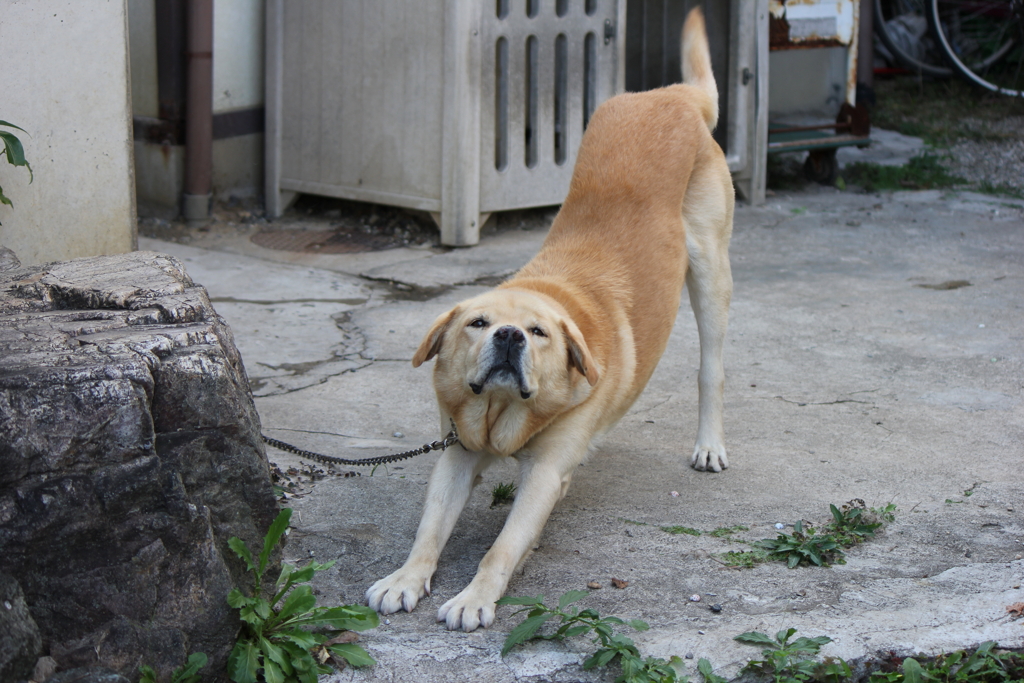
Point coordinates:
[[129, 454]]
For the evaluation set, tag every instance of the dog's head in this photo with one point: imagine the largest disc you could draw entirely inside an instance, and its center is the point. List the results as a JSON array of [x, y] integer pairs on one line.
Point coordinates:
[[508, 362]]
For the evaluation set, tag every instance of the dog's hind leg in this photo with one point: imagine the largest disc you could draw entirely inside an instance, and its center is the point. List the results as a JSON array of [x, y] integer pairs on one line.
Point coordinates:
[[709, 281], [456, 473]]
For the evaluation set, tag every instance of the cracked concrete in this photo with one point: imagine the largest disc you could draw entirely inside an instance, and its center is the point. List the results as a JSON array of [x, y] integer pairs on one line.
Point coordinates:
[[845, 379]]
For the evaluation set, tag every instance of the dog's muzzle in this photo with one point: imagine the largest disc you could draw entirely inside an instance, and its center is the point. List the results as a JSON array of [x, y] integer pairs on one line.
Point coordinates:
[[503, 360]]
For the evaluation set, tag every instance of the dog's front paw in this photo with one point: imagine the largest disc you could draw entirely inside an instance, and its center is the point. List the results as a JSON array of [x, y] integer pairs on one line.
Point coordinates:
[[401, 590], [709, 457], [468, 610]]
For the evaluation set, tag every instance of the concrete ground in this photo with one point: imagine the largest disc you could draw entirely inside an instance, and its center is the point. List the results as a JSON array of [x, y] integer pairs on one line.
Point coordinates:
[[876, 351]]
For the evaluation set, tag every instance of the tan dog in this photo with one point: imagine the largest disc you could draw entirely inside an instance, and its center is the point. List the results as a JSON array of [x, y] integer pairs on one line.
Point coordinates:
[[538, 367]]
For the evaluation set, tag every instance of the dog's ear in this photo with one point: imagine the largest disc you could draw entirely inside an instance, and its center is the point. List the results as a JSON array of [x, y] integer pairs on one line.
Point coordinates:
[[579, 354], [431, 343]]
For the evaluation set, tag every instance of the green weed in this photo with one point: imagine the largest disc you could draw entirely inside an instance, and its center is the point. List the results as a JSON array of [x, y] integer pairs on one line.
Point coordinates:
[[502, 494], [803, 546], [186, 673], [745, 559], [922, 172], [613, 647], [789, 662], [984, 665], [277, 644], [680, 530], [727, 531]]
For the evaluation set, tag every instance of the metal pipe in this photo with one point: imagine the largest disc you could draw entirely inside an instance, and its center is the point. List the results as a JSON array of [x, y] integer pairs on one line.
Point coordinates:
[[199, 113]]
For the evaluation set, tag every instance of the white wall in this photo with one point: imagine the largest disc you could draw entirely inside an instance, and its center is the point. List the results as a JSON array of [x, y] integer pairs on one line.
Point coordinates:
[[237, 54], [64, 78]]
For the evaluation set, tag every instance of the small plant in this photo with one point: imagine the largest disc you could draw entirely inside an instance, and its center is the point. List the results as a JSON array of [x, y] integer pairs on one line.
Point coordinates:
[[920, 173], [851, 525], [186, 673], [727, 531], [680, 530], [984, 665], [745, 559], [502, 494], [275, 645], [15, 153], [803, 546], [790, 662], [614, 647]]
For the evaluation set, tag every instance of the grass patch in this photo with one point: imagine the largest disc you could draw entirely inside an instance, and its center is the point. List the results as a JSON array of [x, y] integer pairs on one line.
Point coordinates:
[[1001, 190], [745, 559], [680, 530], [727, 531], [502, 494], [923, 172], [935, 110]]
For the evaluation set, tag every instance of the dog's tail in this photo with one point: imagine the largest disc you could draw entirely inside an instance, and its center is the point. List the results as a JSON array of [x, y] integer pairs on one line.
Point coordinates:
[[696, 63]]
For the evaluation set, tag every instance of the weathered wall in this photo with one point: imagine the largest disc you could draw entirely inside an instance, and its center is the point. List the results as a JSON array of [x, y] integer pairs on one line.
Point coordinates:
[[809, 81], [65, 80]]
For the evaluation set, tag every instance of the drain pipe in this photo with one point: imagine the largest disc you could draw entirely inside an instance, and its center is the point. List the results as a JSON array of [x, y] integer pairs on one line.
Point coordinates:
[[199, 114]]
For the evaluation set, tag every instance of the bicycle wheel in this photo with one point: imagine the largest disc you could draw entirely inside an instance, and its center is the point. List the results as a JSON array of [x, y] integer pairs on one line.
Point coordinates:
[[983, 40], [903, 29]]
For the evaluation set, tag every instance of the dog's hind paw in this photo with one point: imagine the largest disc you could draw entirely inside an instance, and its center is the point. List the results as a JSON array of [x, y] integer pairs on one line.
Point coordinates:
[[709, 457], [401, 590], [467, 611]]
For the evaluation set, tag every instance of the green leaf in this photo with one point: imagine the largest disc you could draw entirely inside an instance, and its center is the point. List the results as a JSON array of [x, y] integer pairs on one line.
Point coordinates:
[[600, 658], [272, 672], [755, 638], [782, 637], [299, 601], [524, 631], [300, 638], [11, 125], [4, 199], [274, 534], [237, 599], [639, 625], [187, 673], [15, 152], [793, 561], [704, 666], [243, 662], [350, 618], [912, 671], [148, 675], [522, 600], [242, 550], [353, 654], [571, 597], [811, 645], [248, 615], [576, 631]]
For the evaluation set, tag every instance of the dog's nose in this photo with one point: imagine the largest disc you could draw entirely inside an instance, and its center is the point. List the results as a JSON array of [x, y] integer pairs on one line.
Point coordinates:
[[511, 335]]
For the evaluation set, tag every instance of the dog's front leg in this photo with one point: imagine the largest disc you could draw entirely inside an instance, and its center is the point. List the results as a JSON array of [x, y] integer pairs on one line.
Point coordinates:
[[450, 485], [544, 479]]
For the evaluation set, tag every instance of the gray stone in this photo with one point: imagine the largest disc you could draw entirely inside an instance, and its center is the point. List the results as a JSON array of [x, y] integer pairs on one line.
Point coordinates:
[[20, 642], [130, 453], [88, 675], [8, 260]]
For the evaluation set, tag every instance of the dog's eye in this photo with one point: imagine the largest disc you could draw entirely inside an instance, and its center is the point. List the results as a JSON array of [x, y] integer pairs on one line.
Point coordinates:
[[537, 332], [479, 322]]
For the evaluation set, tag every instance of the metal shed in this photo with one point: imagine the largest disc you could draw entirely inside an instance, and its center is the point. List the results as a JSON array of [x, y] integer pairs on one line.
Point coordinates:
[[465, 108]]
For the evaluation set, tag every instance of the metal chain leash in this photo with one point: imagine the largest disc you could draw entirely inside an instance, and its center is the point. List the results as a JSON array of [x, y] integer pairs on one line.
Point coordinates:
[[451, 438]]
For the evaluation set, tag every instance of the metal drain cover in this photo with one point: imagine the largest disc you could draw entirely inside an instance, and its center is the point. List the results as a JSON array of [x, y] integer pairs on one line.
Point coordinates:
[[324, 241]]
